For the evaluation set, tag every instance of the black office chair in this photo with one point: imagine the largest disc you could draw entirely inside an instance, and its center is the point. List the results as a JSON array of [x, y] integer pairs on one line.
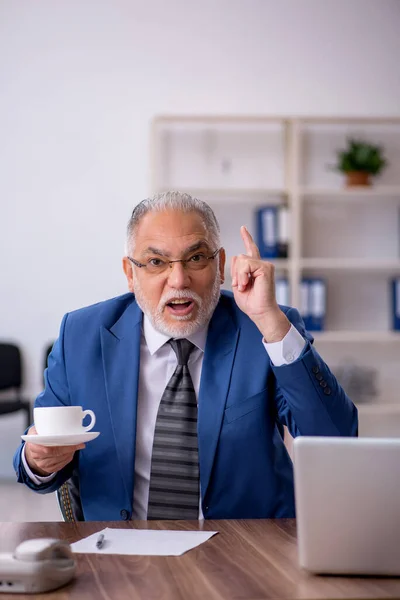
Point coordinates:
[[11, 380], [47, 351]]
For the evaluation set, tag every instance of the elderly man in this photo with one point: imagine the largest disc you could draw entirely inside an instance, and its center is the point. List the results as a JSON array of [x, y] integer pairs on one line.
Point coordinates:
[[191, 387]]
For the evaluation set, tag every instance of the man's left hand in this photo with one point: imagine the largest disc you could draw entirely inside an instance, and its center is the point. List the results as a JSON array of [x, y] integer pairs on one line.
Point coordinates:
[[253, 285]]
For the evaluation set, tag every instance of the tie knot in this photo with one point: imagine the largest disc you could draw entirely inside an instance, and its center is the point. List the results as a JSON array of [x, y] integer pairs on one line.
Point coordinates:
[[182, 349]]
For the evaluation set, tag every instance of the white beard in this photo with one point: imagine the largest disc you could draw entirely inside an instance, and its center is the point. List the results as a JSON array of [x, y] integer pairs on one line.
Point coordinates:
[[185, 325]]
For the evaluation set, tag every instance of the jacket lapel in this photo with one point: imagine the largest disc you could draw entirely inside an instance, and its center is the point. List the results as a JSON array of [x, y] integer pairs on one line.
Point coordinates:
[[218, 361], [121, 355]]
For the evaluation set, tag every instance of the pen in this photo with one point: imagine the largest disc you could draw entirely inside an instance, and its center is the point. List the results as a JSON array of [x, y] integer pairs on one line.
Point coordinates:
[[100, 541]]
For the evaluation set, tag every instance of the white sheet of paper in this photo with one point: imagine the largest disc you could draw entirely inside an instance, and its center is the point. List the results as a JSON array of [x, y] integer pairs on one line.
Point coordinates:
[[143, 542]]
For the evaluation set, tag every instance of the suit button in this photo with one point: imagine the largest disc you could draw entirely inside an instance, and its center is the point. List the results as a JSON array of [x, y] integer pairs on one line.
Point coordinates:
[[124, 515], [327, 391], [318, 377], [315, 370], [323, 383]]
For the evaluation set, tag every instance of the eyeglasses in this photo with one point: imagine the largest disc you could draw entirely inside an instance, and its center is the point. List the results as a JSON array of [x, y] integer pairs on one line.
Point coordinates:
[[196, 262]]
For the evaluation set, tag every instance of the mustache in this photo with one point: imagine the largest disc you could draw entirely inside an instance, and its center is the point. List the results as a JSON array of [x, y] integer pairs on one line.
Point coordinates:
[[179, 295]]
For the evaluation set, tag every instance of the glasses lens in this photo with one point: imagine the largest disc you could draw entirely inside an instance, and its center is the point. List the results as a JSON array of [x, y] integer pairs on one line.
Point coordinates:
[[194, 263], [155, 265], [197, 262]]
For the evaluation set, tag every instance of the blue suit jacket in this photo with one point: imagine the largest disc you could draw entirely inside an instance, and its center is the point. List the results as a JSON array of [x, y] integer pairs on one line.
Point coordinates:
[[243, 402]]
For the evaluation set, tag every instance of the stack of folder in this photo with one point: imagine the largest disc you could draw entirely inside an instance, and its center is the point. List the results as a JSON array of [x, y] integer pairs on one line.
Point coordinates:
[[312, 300], [313, 303], [273, 231], [282, 291]]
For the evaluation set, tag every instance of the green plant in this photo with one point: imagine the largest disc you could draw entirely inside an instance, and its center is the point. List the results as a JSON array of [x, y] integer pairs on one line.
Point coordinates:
[[361, 157]]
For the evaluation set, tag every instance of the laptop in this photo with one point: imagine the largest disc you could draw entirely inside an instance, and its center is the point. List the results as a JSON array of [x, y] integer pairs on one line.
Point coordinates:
[[347, 493]]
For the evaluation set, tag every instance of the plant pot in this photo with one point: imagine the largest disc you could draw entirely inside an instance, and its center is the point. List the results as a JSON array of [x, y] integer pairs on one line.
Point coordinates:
[[357, 178]]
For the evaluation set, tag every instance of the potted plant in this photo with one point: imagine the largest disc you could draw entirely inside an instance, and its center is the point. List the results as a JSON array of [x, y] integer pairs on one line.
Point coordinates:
[[359, 161]]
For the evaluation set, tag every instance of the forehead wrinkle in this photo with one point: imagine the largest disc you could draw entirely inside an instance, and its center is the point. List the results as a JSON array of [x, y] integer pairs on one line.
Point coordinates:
[[151, 250], [158, 251], [196, 246], [168, 228]]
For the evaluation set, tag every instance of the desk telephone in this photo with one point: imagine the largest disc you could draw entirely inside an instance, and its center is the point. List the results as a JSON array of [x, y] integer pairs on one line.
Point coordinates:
[[37, 565]]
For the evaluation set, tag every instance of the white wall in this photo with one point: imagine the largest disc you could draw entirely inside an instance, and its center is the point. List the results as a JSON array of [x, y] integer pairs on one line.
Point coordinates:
[[79, 83]]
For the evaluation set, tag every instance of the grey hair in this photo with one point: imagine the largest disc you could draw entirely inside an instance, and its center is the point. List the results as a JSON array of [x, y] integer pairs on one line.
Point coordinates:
[[173, 200]]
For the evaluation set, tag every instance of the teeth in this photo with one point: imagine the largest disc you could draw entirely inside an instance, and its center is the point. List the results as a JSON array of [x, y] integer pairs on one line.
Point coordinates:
[[180, 301]]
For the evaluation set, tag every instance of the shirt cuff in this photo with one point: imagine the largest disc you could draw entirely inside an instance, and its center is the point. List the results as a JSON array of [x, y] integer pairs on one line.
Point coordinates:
[[287, 350], [37, 479]]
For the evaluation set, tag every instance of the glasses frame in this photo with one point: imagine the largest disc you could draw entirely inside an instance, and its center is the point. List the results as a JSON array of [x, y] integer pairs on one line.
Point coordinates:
[[171, 262]]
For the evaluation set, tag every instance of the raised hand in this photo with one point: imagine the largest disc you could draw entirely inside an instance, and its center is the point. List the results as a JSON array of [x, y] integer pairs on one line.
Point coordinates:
[[44, 460], [253, 284]]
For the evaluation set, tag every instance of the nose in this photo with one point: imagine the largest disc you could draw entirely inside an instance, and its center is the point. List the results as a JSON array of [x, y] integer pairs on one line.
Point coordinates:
[[178, 276]]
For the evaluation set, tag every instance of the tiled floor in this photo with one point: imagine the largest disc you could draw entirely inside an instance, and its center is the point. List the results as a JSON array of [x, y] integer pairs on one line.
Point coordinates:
[[18, 503]]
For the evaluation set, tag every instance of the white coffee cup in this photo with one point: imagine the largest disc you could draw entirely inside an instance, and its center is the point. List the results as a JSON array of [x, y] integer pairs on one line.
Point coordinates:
[[62, 420]]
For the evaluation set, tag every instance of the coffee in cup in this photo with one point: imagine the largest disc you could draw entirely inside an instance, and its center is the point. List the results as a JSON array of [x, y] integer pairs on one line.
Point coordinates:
[[62, 420]]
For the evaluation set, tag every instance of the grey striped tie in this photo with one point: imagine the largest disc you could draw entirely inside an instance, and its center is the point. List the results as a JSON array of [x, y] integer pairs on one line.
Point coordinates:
[[174, 477]]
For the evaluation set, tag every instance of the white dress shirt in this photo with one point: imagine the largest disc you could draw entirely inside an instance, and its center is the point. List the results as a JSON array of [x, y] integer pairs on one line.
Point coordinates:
[[157, 364]]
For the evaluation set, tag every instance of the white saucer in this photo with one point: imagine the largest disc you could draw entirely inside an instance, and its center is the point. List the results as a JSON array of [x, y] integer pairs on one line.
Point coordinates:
[[70, 439]]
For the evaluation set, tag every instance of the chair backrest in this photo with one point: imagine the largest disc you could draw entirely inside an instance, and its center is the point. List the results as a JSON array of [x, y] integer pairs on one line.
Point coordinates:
[[10, 367], [46, 354]]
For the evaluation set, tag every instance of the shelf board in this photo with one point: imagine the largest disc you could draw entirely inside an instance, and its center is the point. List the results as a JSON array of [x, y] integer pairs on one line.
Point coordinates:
[[279, 263], [351, 120], [227, 193], [361, 192], [321, 194], [356, 336], [260, 118], [221, 119], [350, 264]]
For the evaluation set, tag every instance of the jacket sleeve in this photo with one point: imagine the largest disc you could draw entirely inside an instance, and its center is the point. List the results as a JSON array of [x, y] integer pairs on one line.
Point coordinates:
[[309, 399], [56, 393]]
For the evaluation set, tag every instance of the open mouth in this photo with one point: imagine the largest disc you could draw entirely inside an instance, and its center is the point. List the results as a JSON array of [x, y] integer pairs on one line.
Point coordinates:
[[180, 307]]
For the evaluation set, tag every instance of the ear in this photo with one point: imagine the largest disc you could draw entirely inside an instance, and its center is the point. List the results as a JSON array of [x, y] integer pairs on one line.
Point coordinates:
[[222, 259], [128, 270]]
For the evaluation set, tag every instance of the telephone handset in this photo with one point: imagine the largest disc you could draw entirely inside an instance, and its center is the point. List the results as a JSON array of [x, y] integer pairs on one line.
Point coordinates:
[[37, 565]]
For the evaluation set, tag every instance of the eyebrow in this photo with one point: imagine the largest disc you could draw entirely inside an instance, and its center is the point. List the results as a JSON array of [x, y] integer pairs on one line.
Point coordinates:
[[192, 248]]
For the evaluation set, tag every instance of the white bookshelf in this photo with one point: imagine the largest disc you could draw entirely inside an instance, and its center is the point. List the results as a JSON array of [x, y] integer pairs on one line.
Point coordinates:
[[247, 161], [349, 237]]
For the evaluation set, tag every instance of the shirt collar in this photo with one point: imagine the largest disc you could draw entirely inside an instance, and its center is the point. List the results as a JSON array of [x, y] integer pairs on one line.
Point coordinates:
[[155, 339]]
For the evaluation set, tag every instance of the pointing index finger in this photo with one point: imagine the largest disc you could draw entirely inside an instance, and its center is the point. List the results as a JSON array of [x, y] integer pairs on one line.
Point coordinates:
[[251, 246]]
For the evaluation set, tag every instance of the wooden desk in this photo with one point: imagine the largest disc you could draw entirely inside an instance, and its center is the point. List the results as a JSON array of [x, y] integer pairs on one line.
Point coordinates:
[[247, 560]]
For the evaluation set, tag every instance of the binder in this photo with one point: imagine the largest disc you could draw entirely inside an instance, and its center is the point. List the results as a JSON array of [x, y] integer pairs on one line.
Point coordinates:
[[396, 304], [283, 231], [313, 303], [282, 291], [267, 231], [317, 299], [304, 308]]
